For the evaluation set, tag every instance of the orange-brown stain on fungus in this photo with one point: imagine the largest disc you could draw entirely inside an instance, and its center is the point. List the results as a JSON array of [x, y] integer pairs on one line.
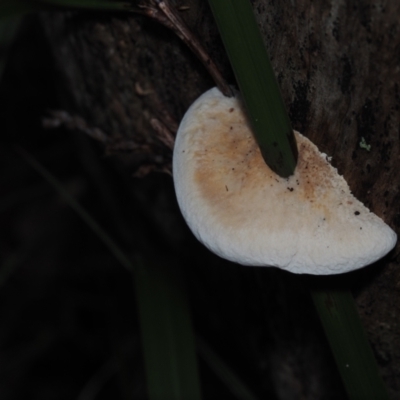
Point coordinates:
[[237, 151]]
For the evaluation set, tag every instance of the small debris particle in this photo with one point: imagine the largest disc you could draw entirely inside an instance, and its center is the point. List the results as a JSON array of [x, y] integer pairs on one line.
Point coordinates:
[[357, 213], [142, 92], [231, 109], [226, 187], [290, 189], [363, 144]]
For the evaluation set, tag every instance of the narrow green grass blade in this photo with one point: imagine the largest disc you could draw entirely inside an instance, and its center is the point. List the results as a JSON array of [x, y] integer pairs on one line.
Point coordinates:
[[167, 334], [257, 83], [224, 373], [350, 346]]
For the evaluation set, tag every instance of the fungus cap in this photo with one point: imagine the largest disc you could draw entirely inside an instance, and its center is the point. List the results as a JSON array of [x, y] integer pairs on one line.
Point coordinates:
[[242, 211]]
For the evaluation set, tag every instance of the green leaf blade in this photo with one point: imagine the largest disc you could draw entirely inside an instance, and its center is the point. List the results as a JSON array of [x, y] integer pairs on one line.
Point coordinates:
[[257, 83], [167, 334], [349, 343]]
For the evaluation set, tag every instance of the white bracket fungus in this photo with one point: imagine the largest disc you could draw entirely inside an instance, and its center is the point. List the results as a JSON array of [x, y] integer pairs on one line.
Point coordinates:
[[242, 211]]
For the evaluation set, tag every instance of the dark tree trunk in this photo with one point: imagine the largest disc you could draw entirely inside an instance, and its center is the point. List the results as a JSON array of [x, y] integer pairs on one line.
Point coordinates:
[[338, 65]]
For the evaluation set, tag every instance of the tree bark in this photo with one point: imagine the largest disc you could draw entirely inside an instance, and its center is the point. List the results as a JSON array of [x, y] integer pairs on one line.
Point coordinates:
[[338, 66]]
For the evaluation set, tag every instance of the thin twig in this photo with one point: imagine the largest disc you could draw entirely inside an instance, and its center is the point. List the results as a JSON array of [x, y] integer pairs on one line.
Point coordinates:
[[164, 13]]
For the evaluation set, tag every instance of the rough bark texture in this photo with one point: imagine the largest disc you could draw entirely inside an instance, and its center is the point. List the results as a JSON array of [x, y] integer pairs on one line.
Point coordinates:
[[338, 64]]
